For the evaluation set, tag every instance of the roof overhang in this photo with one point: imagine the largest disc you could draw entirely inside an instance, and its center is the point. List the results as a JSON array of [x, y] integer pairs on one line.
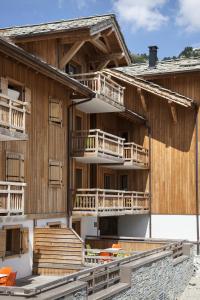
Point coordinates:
[[152, 88]]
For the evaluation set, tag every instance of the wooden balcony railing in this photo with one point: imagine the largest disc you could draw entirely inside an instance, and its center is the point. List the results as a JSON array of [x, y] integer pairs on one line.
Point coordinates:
[[12, 113], [96, 141], [11, 198], [102, 85], [134, 153], [101, 201]]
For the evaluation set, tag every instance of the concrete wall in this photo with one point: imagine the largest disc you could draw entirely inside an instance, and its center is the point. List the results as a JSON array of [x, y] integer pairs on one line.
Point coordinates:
[[133, 226], [174, 227], [88, 226]]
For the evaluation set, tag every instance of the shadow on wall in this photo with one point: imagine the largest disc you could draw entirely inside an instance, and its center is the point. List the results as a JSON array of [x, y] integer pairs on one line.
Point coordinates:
[[133, 226]]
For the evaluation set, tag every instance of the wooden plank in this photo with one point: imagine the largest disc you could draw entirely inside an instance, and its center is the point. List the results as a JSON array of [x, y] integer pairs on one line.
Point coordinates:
[[99, 45]]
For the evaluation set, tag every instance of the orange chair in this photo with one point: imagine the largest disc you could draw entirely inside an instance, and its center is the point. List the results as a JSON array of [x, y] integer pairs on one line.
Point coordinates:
[[116, 246], [104, 253], [11, 279], [7, 271]]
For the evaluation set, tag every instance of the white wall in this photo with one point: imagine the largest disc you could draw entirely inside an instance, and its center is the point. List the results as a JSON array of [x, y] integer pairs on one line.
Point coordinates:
[[21, 264], [135, 226], [88, 226], [43, 222], [174, 227]]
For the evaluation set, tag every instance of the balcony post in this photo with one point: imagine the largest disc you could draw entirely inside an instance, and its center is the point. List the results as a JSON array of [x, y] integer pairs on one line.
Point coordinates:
[[22, 203], [96, 141], [8, 200], [10, 114], [97, 201]]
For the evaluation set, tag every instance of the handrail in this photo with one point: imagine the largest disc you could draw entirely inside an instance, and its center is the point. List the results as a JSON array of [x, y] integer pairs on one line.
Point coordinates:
[[91, 272], [102, 85], [100, 200], [97, 141], [136, 153], [12, 113], [12, 198]]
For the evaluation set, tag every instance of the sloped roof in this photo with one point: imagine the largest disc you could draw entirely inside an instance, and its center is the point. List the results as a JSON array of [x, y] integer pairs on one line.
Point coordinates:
[[151, 87], [93, 23], [9, 48], [163, 67]]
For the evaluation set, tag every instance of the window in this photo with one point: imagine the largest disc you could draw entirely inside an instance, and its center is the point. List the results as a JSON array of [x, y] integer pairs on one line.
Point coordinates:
[[108, 226], [15, 167], [79, 178], [78, 124], [55, 111], [123, 182], [55, 173], [72, 68], [14, 240]]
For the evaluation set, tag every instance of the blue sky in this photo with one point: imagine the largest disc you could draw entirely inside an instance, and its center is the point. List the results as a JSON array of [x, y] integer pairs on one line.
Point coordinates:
[[170, 24]]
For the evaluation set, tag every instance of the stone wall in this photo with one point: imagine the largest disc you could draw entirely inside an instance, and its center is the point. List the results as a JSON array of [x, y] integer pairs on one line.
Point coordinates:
[[158, 277]]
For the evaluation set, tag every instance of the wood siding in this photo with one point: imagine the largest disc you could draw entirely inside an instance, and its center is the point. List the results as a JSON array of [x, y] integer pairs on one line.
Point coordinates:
[[56, 251], [46, 141]]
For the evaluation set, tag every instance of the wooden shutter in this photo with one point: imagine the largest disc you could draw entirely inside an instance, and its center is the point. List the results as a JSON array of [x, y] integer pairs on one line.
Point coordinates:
[[24, 240], [55, 111], [4, 85], [27, 98], [2, 243], [55, 172], [14, 167]]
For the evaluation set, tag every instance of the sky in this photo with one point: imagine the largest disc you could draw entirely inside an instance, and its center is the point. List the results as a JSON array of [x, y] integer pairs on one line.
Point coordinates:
[[170, 24]]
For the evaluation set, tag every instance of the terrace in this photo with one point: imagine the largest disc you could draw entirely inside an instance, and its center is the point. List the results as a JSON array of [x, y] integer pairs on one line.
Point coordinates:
[[12, 118], [11, 198], [109, 95], [101, 274], [102, 202]]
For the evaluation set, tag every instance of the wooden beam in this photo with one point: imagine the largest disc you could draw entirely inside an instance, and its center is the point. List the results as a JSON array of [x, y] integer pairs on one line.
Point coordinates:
[[173, 112], [142, 99], [107, 42], [100, 45], [71, 52], [103, 65], [78, 37], [110, 31], [110, 56]]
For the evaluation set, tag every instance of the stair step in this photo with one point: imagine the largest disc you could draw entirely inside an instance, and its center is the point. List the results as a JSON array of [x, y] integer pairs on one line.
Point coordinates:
[[110, 291]]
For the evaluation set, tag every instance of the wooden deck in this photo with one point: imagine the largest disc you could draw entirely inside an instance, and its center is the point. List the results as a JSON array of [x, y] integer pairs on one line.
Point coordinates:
[[11, 198], [12, 118], [102, 202], [109, 94]]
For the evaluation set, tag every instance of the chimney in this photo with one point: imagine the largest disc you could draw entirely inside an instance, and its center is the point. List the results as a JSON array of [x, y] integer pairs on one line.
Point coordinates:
[[153, 58]]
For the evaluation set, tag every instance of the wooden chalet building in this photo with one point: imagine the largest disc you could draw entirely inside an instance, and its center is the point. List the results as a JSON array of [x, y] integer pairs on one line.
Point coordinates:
[[91, 142]]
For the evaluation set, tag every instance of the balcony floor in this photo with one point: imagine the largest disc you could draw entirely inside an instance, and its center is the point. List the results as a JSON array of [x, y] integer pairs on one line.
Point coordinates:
[[100, 104], [93, 158], [8, 135], [129, 166], [110, 213]]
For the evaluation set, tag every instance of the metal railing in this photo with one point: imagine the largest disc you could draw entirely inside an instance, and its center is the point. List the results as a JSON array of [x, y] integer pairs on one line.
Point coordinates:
[[97, 141], [12, 113], [102, 85], [102, 200], [134, 153], [11, 198]]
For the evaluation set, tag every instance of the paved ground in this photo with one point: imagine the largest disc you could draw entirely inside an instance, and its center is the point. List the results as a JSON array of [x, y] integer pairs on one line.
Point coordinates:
[[192, 291]]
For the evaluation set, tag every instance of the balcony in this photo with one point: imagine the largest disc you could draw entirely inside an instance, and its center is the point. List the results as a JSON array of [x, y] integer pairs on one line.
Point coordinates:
[[101, 202], [12, 119], [11, 198], [135, 157], [97, 146], [109, 94]]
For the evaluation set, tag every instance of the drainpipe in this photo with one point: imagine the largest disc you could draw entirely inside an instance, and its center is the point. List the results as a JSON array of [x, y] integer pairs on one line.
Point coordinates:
[[150, 182], [69, 148], [197, 175]]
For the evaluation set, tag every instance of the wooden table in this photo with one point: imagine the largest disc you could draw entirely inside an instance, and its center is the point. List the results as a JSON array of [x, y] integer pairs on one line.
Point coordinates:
[[3, 275]]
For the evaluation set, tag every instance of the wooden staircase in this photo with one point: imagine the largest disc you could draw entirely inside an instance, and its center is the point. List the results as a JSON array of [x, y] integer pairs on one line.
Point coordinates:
[[57, 251]]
